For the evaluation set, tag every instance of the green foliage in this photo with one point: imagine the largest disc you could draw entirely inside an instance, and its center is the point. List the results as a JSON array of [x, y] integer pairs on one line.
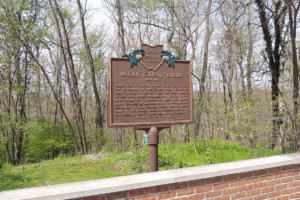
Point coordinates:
[[95, 41], [63, 159], [140, 160], [177, 155], [111, 159], [109, 146], [62, 169], [2, 153], [219, 151], [137, 4], [46, 141], [245, 121]]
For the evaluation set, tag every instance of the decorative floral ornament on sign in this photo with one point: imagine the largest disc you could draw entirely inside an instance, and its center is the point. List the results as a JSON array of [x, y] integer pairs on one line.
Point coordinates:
[[138, 54], [169, 58], [135, 56]]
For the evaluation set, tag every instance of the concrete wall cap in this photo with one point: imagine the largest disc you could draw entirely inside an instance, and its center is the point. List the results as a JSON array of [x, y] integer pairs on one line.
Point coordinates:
[[137, 181]]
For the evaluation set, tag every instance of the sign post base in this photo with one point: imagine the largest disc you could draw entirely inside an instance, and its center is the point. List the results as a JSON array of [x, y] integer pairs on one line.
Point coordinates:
[[153, 149], [153, 141]]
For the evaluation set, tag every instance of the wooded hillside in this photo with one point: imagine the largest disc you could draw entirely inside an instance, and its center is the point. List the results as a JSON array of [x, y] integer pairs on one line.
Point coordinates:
[[54, 61]]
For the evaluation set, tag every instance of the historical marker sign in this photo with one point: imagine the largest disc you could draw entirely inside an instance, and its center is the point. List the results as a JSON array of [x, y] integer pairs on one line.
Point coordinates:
[[149, 88]]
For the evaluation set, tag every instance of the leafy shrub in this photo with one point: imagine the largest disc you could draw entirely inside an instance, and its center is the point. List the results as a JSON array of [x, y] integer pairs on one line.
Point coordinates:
[[197, 153], [2, 152], [140, 160], [45, 140]]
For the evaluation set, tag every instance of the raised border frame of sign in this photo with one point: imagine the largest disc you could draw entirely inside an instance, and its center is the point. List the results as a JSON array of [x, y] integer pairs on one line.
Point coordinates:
[[147, 124]]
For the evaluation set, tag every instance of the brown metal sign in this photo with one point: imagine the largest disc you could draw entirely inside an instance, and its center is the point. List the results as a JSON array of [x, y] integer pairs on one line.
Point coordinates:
[[149, 88]]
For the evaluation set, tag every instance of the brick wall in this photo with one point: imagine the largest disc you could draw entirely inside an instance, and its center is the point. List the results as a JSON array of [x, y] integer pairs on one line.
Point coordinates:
[[274, 183]]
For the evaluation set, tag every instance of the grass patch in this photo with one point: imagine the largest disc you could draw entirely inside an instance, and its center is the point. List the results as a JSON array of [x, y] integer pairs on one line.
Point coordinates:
[[60, 170], [81, 168], [171, 156]]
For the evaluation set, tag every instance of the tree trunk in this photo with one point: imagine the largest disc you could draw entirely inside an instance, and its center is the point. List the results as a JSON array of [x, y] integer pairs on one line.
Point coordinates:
[[39, 110], [250, 53], [75, 90], [182, 31], [233, 56], [121, 32], [242, 76], [274, 60], [68, 79], [208, 33], [171, 35], [19, 101], [99, 119], [200, 101], [58, 69], [293, 34]]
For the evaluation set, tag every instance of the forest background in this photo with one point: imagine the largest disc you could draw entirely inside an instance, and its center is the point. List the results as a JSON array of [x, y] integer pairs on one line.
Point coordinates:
[[54, 58]]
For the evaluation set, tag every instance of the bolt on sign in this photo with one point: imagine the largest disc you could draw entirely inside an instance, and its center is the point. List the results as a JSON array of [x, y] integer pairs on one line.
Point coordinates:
[[149, 87]]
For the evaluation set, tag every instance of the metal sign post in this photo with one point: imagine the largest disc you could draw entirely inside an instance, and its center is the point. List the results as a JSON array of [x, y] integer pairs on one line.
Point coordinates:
[[153, 140]]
